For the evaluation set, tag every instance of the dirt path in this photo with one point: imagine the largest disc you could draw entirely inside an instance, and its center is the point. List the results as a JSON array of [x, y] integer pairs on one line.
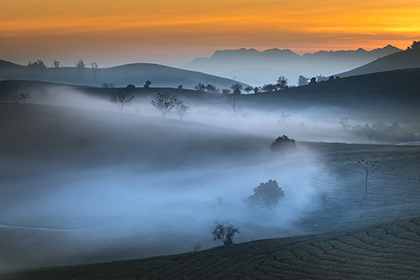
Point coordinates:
[[388, 251]]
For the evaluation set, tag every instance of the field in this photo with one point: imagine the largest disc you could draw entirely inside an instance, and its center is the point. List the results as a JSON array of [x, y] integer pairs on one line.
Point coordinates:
[[85, 186]]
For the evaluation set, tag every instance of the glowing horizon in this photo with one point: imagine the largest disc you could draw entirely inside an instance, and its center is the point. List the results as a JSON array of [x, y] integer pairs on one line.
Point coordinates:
[[174, 32]]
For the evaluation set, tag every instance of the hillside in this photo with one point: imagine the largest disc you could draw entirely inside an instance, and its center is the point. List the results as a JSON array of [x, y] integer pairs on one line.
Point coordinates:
[[137, 74], [258, 68], [384, 251], [409, 58]]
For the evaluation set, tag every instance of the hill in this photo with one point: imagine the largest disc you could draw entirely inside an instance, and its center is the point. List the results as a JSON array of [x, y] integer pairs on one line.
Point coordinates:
[[409, 58], [137, 74], [258, 68], [384, 251]]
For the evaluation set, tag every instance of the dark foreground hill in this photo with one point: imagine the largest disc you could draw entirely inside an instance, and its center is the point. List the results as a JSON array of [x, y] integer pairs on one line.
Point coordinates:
[[386, 251]]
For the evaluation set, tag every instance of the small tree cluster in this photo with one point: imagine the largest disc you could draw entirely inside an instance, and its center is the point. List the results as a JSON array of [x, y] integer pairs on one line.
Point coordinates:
[[39, 64], [224, 232], [283, 144], [166, 103], [266, 195]]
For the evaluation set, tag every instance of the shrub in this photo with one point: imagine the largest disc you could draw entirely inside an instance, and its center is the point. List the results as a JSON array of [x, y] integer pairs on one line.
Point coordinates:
[[283, 144], [224, 232], [266, 195]]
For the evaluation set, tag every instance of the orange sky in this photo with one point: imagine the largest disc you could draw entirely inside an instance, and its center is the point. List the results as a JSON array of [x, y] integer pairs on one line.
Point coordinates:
[[173, 32]]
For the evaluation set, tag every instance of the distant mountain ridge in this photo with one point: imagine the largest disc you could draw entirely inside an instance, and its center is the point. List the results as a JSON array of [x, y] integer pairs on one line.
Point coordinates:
[[257, 68], [136, 73]]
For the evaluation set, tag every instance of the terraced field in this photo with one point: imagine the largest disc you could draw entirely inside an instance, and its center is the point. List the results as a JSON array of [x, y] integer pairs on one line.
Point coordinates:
[[388, 251]]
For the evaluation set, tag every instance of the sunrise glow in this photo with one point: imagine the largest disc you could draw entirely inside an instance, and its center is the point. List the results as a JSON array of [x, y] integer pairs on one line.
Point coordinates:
[[113, 32]]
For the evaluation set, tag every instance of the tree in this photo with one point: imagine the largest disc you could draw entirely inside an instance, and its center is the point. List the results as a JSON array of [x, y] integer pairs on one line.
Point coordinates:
[[266, 195], [368, 167], [313, 81], [122, 97], [56, 63], [80, 64], [95, 70], [281, 83], [302, 81], [180, 87], [211, 88], [283, 144], [39, 64], [181, 110], [232, 100], [147, 84], [248, 89], [165, 103], [24, 97], [269, 87], [224, 232], [236, 88], [200, 87], [256, 90]]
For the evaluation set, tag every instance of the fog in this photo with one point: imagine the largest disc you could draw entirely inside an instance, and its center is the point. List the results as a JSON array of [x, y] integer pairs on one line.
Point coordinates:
[[82, 182]]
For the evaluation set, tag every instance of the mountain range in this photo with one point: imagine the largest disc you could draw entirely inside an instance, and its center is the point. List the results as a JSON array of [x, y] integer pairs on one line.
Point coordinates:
[[258, 68]]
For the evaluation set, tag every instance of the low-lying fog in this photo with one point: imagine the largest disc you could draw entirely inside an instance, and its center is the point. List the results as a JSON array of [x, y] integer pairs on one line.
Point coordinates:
[[89, 185]]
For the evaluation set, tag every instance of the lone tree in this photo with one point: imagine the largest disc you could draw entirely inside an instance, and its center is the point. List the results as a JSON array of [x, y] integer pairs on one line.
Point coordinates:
[[122, 97], [24, 97], [266, 195], [181, 109], [224, 232], [147, 84], [80, 64], [56, 63], [165, 103], [232, 100], [283, 144], [369, 167]]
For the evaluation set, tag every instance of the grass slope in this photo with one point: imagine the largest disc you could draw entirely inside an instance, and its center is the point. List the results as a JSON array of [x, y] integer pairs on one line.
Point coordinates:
[[385, 251]]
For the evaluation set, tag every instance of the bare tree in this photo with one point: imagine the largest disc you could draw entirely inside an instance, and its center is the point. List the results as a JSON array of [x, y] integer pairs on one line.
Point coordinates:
[[369, 167], [181, 110], [232, 100], [95, 71], [24, 97], [121, 98], [224, 232], [165, 103]]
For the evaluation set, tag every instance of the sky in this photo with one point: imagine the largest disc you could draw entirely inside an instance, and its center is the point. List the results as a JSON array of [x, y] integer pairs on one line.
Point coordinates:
[[173, 32]]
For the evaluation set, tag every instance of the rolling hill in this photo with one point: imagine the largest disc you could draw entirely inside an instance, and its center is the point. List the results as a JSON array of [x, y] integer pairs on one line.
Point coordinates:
[[384, 251], [137, 74], [409, 58]]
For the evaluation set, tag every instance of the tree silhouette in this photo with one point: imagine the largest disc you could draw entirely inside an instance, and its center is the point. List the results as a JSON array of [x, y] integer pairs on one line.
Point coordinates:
[[147, 84], [80, 64], [266, 195], [224, 232], [248, 89], [281, 83], [122, 97], [181, 109], [39, 64], [236, 88], [368, 167], [232, 100], [165, 103], [283, 144], [56, 63], [200, 87], [24, 97]]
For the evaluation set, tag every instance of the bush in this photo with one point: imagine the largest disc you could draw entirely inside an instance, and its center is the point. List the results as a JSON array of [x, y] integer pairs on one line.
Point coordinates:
[[266, 195], [283, 144], [224, 232]]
